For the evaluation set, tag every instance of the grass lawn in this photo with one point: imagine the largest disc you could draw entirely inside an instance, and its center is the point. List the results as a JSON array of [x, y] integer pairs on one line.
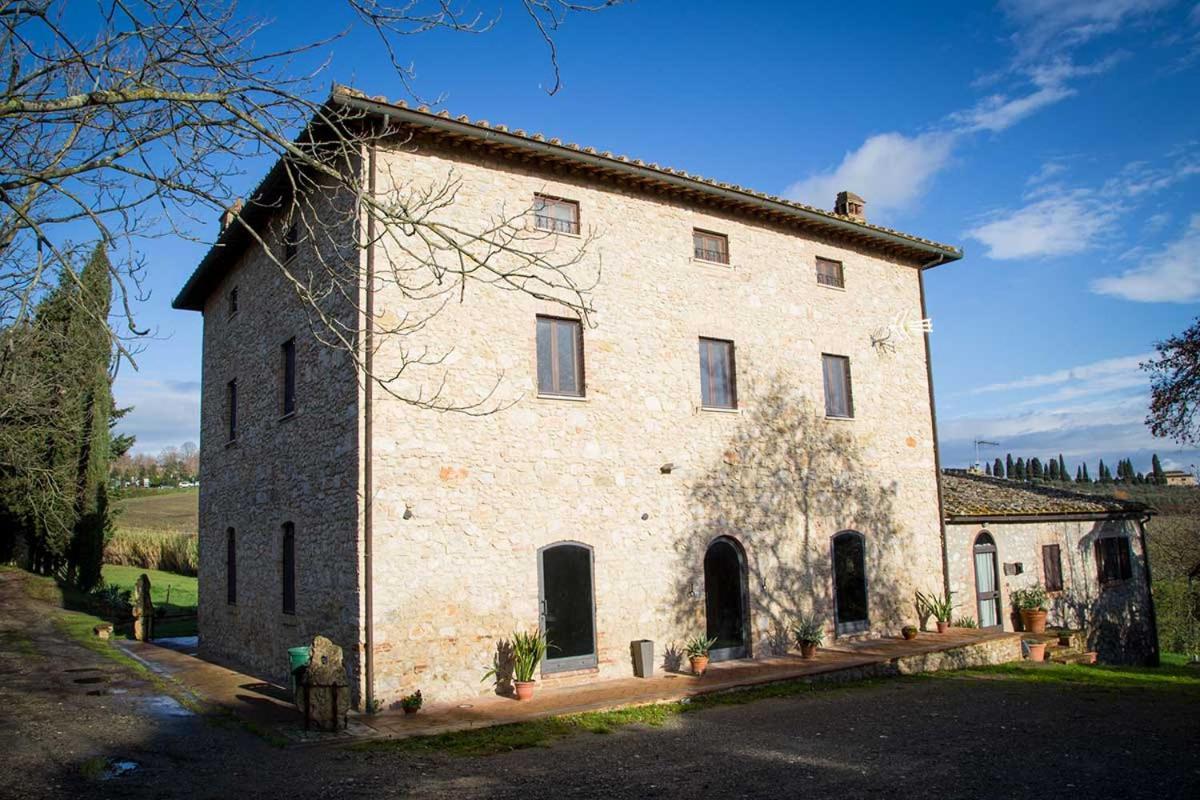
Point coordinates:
[[161, 510], [180, 589], [1174, 675]]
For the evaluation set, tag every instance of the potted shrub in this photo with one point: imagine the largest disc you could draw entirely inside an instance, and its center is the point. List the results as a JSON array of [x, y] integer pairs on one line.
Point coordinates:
[[909, 631], [411, 703], [940, 607], [697, 652], [809, 633], [1037, 650], [1032, 603], [528, 650]]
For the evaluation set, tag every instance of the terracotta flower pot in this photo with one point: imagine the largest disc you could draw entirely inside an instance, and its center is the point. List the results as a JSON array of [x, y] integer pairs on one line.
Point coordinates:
[[909, 633], [1033, 620], [943, 626], [699, 665], [524, 689], [808, 649], [1037, 651], [411, 710]]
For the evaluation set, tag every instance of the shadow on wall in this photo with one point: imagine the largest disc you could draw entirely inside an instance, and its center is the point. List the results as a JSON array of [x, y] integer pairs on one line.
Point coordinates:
[[785, 469], [1118, 620]]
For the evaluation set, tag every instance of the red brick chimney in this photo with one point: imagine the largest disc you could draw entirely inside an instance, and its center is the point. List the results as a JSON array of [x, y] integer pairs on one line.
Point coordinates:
[[848, 204]]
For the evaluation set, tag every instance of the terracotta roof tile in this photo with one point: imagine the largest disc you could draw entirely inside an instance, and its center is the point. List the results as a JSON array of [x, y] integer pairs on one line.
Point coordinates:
[[965, 494]]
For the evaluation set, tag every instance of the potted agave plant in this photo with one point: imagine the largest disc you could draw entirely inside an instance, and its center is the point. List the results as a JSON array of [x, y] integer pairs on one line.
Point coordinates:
[[809, 633], [528, 650], [1032, 603], [697, 652], [940, 607]]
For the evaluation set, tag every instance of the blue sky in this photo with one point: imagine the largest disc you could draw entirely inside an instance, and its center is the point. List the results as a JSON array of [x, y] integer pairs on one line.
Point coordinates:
[[1057, 141]]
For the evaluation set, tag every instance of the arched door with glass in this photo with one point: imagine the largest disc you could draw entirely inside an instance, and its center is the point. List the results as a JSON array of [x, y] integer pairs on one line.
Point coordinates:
[[987, 581], [725, 599], [850, 582], [567, 606]]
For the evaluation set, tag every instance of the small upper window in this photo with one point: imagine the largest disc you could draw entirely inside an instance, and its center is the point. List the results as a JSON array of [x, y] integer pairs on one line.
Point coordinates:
[[291, 240], [1112, 559], [1052, 567], [556, 214], [829, 273], [718, 378], [839, 401], [231, 400], [559, 356], [288, 352], [709, 246], [233, 301]]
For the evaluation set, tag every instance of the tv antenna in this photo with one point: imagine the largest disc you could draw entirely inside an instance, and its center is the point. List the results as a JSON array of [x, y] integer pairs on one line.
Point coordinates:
[[982, 443]]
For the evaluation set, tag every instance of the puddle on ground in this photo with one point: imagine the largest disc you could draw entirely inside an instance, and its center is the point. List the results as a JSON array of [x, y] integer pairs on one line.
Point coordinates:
[[118, 767], [160, 705], [92, 679]]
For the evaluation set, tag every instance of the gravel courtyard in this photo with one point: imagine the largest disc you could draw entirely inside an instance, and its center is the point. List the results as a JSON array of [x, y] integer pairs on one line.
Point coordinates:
[[69, 716]]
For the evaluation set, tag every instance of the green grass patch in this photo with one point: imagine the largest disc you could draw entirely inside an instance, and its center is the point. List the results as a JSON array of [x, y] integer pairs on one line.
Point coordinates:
[[180, 592], [1173, 675]]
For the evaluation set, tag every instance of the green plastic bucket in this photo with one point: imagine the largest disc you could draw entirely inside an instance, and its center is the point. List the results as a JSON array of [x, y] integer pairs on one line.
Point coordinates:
[[298, 658]]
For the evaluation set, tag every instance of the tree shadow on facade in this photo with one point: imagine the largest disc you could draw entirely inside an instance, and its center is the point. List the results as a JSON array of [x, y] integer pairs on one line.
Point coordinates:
[[787, 481]]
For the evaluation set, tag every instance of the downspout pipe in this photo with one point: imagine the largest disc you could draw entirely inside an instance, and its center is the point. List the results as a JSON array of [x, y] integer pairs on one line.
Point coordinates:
[[368, 449], [937, 459], [1155, 655]]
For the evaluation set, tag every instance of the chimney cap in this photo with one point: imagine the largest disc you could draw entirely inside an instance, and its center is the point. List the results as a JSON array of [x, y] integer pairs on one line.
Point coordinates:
[[849, 204]]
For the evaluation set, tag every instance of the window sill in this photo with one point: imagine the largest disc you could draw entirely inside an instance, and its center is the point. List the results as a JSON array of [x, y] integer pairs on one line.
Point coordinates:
[[572, 398], [839, 417], [720, 410], [287, 416], [720, 265], [841, 289], [568, 234], [231, 443]]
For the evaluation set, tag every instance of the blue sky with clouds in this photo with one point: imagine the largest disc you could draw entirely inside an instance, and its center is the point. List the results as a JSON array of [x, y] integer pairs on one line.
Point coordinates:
[[1058, 141]]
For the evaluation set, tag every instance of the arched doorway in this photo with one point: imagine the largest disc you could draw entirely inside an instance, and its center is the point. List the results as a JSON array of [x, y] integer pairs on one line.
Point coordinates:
[[850, 582], [567, 606], [725, 599], [987, 581]]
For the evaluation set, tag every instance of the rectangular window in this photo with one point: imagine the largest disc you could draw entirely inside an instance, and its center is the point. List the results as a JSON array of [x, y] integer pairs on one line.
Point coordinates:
[[231, 400], [1052, 567], [839, 400], [289, 376], [709, 246], [291, 240], [233, 301], [718, 381], [559, 356], [230, 567], [556, 214], [1112, 559], [829, 273], [289, 568]]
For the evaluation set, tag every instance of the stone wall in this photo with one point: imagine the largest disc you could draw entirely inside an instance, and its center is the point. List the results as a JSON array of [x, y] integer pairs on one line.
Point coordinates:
[[302, 469], [482, 493], [1115, 617]]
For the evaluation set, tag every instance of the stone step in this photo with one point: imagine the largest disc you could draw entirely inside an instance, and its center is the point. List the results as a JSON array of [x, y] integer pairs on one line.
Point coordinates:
[[1087, 657]]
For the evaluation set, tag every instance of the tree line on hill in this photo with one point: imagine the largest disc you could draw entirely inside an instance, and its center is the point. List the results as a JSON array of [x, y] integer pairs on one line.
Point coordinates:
[[1055, 470], [171, 467], [56, 417]]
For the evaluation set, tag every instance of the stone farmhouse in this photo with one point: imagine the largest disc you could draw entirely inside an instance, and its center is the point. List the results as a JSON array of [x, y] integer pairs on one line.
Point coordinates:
[[1178, 477], [1087, 551], [741, 432]]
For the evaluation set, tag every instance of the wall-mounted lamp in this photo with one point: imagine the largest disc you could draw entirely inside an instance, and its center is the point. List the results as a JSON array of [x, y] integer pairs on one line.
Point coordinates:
[[667, 468], [408, 511], [645, 516]]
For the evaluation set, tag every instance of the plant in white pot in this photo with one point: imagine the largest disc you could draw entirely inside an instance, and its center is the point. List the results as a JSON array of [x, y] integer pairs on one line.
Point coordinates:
[[810, 634]]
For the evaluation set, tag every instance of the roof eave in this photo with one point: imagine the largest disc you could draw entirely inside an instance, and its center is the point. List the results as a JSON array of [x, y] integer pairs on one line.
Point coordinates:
[[1047, 516]]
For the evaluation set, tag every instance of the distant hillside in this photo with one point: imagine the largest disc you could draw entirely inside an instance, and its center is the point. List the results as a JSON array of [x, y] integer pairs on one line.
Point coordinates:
[[160, 510]]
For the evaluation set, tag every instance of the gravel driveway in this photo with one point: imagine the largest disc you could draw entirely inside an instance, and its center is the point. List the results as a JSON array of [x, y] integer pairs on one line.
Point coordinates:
[[943, 738]]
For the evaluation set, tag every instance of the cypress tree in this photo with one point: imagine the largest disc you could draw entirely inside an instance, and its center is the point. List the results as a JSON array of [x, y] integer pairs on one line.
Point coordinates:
[[1086, 478], [1156, 470], [1020, 469], [987, 468], [998, 468], [1079, 474], [1063, 475], [1035, 468], [1009, 467], [1053, 474]]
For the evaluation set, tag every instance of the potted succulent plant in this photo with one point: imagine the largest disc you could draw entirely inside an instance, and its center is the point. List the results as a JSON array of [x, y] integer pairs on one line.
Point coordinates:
[[909, 631], [411, 703], [940, 607], [697, 652], [809, 633], [1032, 603], [528, 650]]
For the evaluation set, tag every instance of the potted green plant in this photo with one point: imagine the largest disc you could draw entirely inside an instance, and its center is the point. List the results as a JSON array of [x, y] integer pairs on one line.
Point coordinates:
[[528, 650], [940, 607], [909, 631], [411, 703], [1032, 603], [697, 652], [809, 633]]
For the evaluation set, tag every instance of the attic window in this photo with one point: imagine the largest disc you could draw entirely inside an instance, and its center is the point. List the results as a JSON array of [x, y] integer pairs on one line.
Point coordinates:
[[829, 273], [556, 214], [710, 246]]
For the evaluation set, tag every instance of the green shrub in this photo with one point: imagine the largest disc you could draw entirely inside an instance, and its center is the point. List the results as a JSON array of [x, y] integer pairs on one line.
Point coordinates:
[[162, 550], [1178, 611]]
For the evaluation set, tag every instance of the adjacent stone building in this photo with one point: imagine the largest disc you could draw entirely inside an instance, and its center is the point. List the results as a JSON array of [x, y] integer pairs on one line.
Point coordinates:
[[1088, 551], [740, 432]]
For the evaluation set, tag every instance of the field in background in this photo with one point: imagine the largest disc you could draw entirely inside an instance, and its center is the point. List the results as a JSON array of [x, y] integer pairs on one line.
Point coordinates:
[[160, 510]]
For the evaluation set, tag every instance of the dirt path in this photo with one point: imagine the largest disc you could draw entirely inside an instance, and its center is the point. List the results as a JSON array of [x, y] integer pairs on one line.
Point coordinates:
[[945, 738]]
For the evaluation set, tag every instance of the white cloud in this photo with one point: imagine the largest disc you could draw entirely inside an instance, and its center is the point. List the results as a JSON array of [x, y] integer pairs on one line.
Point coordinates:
[[164, 412], [1171, 275], [1084, 373], [890, 170], [1054, 226], [1049, 26]]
